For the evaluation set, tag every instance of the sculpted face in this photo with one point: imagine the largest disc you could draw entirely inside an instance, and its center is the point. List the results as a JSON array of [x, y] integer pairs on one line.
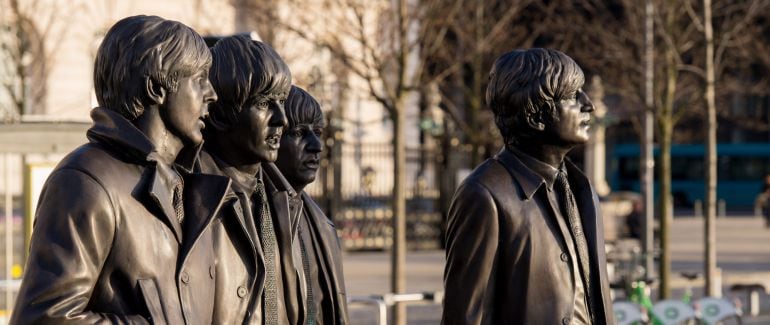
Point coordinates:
[[574, 112], [299, 155], [185, 109], [258, 130]]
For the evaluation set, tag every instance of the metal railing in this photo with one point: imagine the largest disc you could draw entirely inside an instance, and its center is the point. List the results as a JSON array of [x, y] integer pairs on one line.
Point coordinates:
[[382, 302]]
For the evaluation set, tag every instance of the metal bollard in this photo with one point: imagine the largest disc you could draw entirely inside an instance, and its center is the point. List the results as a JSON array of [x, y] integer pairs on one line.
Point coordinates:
[[722, 208]]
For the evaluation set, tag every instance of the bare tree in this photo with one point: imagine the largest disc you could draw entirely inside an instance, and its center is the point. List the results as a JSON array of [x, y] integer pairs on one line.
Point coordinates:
[[28, 47]]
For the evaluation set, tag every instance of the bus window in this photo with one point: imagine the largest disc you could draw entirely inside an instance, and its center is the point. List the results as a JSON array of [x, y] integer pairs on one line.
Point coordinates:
[[686, 168], [742, 168]]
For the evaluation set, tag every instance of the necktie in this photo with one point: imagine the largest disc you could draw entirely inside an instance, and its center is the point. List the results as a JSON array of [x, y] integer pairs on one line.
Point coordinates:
[[177, 201], [267, 236], [311, 310], [569, 206]]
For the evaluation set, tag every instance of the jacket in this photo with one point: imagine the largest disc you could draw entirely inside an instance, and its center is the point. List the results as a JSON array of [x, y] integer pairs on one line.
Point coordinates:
[[325, 233], [508, 261], [239, 270], [107, 246]]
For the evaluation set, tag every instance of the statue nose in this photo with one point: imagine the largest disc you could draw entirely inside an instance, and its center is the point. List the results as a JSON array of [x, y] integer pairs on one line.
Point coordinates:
[[586, 105]]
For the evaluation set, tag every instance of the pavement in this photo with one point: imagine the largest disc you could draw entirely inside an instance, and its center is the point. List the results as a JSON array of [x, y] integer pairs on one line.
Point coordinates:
[[743, 255]]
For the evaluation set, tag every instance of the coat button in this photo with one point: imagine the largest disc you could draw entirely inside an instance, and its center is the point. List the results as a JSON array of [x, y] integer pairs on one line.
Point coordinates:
[[564, 257], [565, 321], [242, 291], [212, 271], [185, 277]]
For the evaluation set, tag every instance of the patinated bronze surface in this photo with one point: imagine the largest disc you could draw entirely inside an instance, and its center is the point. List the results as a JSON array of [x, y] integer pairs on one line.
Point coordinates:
[[259, 271], [524, 234], [298, 160], [109, 242]]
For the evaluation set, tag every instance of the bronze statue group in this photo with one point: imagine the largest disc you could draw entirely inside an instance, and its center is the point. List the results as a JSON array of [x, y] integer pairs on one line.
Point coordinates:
[[149, 223]]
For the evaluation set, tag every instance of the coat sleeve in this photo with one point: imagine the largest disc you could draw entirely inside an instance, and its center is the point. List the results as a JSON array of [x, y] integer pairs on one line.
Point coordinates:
[[73, 233], [472, 241]]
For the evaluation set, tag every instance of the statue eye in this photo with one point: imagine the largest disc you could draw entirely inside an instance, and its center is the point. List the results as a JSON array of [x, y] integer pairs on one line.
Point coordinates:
[[262, 104]]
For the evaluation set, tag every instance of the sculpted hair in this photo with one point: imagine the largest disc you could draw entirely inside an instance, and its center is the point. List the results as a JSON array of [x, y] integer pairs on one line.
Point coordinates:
[[302, 108], [525, 86], [242, 71], [139, 49]]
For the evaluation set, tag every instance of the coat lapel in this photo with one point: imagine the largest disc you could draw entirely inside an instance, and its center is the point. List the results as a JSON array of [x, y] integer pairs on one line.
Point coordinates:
[[159, 193], [252, 241], [285, 209], [323, 229], [585, 201], [588, 206], [204, 196]]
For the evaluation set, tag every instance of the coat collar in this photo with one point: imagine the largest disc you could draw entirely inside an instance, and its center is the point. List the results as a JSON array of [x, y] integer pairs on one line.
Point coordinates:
[[524, 176], [283, 195], [280, 183], [114, 130]]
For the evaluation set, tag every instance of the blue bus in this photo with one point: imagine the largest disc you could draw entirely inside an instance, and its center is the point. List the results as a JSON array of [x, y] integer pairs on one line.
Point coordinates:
[[740, 168]]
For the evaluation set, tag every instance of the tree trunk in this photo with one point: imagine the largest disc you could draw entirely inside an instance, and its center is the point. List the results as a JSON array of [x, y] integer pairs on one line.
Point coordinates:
[[710, 259], [648, 138], [398, 279], [666, 121]]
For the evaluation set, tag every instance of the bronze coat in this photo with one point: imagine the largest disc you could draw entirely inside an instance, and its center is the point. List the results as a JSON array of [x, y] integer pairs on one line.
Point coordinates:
[[106, 243], [507, 258], [239, 270], [331, 266]]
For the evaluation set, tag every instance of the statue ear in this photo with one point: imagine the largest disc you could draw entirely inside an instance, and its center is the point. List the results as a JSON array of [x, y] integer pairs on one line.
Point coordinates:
[[535, 121], [155, 91]]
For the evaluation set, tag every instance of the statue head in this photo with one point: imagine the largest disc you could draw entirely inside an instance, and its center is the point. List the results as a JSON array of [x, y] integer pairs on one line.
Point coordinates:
[[537, 98], [149, 61], [252, 83], [142, 49], [301, 143]]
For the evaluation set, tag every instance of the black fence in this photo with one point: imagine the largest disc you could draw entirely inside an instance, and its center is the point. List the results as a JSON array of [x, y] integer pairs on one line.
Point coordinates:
[[355, 186]]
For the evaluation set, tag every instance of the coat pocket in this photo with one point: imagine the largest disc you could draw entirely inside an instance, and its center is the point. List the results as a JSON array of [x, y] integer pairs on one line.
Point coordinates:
[[152, 300]]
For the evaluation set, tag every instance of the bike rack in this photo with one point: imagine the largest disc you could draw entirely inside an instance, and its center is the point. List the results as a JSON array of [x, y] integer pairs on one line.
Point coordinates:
[[381, 302]]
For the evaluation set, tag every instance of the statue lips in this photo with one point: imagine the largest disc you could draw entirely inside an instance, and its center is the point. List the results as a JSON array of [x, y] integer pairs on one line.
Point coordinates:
[[273, 140], [311, 163], [204, 116], [585, 122]]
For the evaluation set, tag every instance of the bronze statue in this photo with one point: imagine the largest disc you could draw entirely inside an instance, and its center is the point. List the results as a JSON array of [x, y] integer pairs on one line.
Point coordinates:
[[256, 275], [108, 244], [298, 160], [524, 239]]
